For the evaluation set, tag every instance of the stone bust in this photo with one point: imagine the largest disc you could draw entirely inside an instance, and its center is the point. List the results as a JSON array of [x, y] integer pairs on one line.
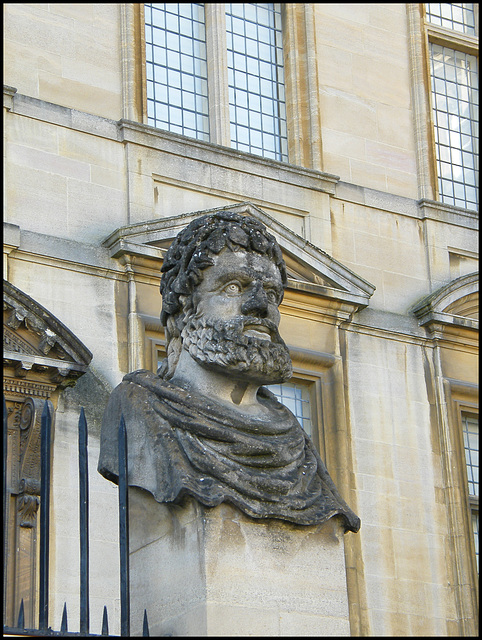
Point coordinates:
[[204, 425]]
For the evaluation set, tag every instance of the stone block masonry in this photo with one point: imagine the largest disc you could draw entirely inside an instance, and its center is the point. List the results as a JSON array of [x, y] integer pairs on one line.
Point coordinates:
[[215, 572]]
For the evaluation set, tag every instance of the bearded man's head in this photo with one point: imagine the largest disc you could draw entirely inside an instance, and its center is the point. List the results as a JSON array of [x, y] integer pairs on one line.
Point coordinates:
[[234, 346]]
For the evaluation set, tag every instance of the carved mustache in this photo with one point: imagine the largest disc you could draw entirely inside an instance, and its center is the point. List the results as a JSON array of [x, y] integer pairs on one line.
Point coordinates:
[[259, 324]]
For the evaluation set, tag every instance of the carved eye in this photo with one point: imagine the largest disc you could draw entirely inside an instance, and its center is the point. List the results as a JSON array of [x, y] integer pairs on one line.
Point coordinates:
[[232, 289], [272, 295]]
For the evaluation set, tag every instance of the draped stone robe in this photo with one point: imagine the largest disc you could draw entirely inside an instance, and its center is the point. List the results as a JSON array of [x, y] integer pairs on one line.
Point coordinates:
[[180, 442]]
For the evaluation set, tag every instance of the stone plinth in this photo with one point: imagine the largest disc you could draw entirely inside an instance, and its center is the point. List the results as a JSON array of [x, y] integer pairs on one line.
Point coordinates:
[[216, 572]]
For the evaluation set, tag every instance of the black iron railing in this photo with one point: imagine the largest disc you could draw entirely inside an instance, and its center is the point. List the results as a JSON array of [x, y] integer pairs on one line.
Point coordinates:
[[43, 595]]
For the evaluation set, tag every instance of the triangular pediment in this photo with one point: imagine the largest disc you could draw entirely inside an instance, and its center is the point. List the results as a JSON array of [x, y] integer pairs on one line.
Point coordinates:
[[309, 268]]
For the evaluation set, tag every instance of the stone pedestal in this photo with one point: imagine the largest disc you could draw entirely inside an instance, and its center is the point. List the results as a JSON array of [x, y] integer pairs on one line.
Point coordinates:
[[216, 572]]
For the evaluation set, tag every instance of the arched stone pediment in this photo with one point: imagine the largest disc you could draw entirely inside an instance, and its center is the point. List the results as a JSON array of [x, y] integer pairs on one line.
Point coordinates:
[[309, 268], [453, 304]]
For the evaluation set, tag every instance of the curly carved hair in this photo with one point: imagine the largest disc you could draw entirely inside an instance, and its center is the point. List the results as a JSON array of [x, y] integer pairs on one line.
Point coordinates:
[[190, 253]]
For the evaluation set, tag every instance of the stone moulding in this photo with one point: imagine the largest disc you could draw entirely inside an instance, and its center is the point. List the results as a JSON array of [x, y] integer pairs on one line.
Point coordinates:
[[41, 357]]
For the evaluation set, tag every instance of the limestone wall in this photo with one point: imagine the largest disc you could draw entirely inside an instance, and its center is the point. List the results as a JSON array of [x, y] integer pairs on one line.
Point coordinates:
[[66, 54], [364, 74]]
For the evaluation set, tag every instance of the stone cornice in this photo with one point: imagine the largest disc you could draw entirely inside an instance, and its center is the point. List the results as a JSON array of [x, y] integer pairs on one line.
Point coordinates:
[[208, 152], [433, 210], [423, 209]]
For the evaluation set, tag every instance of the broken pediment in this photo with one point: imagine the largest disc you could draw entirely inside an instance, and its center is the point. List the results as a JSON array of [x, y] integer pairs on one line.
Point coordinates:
[[36, 345], [309, 268]]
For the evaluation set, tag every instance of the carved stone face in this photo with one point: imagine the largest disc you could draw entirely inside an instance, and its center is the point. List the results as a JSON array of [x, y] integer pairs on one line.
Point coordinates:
[[236, 319], [240, 284]]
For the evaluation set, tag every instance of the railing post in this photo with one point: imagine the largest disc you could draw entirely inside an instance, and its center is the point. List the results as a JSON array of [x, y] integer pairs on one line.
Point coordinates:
[[84, 524], [64, 627], [5, 511], [124, 531], [44, 516], [105, 623]]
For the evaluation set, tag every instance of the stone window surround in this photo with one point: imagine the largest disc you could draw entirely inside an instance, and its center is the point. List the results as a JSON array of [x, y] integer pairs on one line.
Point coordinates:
[[301, 77], [471, 411], [461, 399]]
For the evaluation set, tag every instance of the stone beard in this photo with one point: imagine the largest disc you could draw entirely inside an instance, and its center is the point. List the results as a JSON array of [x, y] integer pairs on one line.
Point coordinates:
[[221, 345]]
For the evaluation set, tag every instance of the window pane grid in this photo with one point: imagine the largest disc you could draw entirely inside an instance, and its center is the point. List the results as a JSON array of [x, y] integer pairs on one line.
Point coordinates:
[[456, 16], [470, 432], [475, 527], [176, 68], [470, 426], [255, 77], [455, 109], [297, 398]]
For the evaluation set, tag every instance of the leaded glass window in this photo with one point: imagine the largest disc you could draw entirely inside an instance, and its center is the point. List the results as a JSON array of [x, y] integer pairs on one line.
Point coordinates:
[[470, 426], [475, 528], [297, 398], [455, 112], [458, 16], [470, 430], [255, 77], [176, 68]]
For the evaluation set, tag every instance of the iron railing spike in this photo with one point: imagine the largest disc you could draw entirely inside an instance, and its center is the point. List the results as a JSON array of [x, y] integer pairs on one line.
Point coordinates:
[[145, 625], [5, 509], [64, 627], [46, 425], [123, 530], [105, 623], [21, 617], [84, 524]]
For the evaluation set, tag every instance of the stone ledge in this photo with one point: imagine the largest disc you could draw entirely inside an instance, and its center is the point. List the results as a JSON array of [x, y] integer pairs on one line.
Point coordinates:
[[421, 209], [211, 153]]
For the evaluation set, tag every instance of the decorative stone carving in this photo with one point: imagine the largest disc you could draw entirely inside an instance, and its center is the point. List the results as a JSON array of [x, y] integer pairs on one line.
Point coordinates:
[[40, 357], [205, 425], [13, 342], [25, 467], [28, 502], [30, 427]]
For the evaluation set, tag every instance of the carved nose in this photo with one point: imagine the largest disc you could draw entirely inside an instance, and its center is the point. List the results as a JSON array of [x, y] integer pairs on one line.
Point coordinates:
[[256, 304]]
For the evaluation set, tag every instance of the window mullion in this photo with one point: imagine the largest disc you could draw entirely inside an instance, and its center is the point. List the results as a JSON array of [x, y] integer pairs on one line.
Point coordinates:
[[217, 69]]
